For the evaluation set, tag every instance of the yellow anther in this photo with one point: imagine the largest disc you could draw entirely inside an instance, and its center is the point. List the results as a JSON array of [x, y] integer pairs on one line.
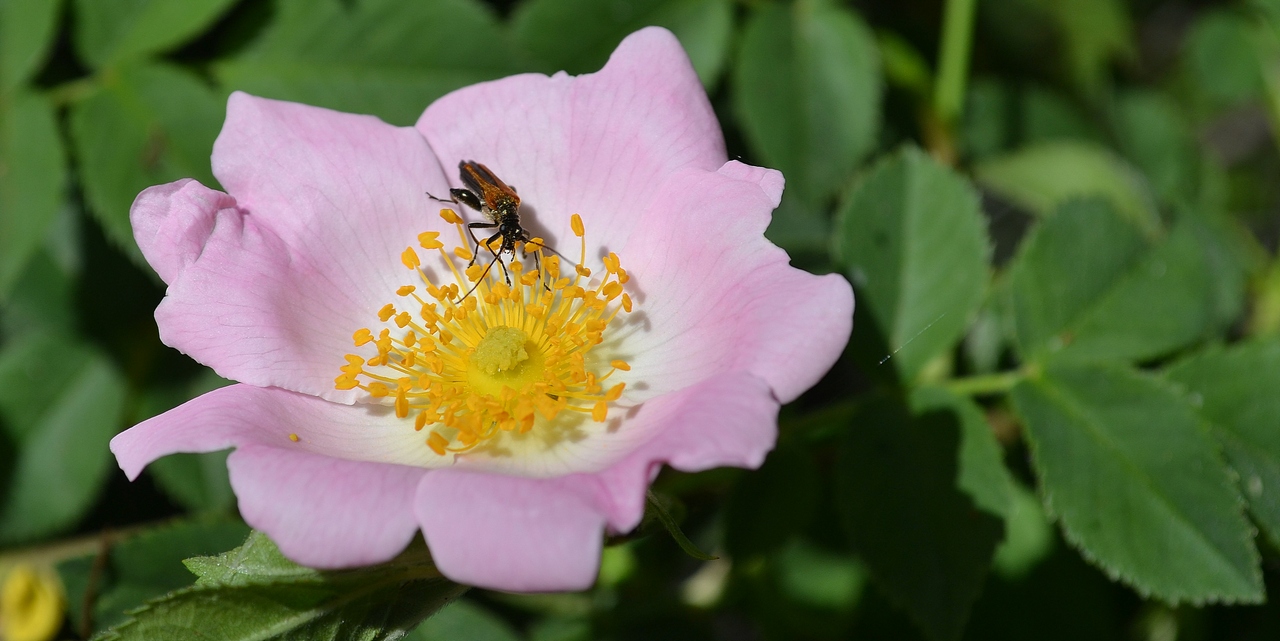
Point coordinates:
[[578, 229], [410, 258], [402, 403], [615, 392], [428, 239], [294, 438], [436, 372], [437, 443]]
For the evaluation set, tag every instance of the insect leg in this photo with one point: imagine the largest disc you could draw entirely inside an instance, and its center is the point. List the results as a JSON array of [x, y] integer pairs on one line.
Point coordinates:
[[470, 227]]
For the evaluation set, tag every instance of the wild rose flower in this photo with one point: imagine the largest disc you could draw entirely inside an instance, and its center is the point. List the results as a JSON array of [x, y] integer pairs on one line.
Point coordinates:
[[514, 425]]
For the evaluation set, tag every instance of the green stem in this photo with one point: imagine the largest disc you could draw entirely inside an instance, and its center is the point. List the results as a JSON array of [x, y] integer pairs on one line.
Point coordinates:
[[985, 384], [953, 59], [73, 91]]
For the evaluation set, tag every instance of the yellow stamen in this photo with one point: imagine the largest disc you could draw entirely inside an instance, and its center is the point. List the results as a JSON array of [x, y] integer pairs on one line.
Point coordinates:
[[511, 356]]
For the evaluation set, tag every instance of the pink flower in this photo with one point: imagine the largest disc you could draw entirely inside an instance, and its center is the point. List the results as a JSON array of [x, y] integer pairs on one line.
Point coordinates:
[[312, 253]]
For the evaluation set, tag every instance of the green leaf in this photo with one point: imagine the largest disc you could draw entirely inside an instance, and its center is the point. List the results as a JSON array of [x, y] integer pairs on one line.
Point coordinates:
[[144, 567], [253, 592], [111, 31], [464, 620], [1137, 484], [1042, 177], [925, 542], [913, 241], [807, 94], [578, 35], [1235, 390], [149, 123], [32, 180], [197, 481], [1221, 59], [1086, 286], [42, 300], [982, 474], [1153, 134], [1029, 537], [383, 57], [62, 401], [1095, 33], [770, 505], [1048, 115], [816, 577], [27, 29]]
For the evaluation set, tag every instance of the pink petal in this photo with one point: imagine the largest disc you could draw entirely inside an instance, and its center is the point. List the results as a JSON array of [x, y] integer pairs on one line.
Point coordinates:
[[325, 512], [511, 533], [326, 204], [240, 415], [171, 223], [596, 144], [544, 534], [715, 295], [729, 420]]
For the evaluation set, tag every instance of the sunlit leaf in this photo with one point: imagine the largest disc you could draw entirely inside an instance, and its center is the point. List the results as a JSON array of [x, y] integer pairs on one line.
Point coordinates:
[[253, 592], [913, 241], [1235, 390], [1138, 484]]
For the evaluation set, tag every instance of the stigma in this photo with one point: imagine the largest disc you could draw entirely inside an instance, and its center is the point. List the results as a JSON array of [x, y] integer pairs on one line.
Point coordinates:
[[487, 352]]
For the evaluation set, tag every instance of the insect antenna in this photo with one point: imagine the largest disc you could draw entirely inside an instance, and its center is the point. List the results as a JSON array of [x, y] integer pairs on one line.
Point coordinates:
[[481, 279]]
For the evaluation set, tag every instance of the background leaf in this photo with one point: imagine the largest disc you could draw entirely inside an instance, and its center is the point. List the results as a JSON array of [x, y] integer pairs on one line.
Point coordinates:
[[112, 31], [578, 35], [32, 180], [27, 29], [926, 543], [1044, 176], [382, 57], [912, 239], [62, 402], [149, 123], [980, 466], [807, 94], [772, 504], [463, 619], [1138, 485]]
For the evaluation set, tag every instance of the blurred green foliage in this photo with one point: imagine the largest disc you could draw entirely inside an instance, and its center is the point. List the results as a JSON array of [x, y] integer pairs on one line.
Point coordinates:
[[1057, 418]]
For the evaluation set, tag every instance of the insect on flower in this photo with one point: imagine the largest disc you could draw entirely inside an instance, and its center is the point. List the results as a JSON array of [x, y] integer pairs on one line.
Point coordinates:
[[498, 201]]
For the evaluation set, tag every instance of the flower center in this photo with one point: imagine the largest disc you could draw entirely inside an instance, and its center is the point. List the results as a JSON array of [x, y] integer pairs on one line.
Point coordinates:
[[498, 350]]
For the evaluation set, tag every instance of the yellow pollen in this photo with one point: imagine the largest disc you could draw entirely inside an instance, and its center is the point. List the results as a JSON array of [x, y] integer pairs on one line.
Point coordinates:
[[294, 438], [493, 350]]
